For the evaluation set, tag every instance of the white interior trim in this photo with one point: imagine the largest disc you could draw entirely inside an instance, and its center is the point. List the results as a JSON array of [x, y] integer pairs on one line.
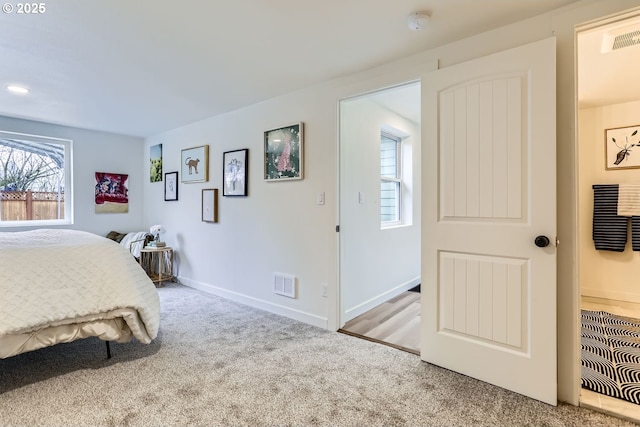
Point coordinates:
[[281, 310]]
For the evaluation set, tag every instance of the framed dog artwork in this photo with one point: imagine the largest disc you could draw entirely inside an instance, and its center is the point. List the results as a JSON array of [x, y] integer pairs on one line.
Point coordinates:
[[194, 164]]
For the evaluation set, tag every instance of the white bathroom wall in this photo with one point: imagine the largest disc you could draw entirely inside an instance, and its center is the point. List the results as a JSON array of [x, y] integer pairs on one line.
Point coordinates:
[[604, 274]]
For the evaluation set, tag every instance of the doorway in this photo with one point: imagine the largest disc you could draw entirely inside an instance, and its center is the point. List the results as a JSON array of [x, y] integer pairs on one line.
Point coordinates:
[[380, 188], [607, 104]]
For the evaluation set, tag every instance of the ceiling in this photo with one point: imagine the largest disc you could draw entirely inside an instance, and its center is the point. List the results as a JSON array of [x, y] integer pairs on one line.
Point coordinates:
[[604, 78], [609, 77], [144, 67]]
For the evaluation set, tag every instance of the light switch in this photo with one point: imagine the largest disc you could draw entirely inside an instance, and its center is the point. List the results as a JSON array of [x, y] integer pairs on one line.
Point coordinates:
[[360, 197], [320, 199]]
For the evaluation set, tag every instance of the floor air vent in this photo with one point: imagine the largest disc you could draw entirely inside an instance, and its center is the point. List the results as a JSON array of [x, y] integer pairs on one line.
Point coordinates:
[[284, 284]]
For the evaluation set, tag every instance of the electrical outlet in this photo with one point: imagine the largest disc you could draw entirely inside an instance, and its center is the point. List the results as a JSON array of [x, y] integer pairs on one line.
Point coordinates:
[[324, 289]]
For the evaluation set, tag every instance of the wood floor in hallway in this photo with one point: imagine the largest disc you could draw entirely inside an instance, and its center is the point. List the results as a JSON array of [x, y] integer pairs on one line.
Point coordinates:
[[395, 323]]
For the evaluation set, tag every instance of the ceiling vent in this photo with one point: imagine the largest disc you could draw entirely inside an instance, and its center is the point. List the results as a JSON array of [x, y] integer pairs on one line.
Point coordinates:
[[620, 38]]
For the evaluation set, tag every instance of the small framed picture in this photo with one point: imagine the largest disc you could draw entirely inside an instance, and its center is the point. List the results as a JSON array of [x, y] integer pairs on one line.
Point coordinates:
[[155, 167], [283, 153], [195, 164], [235, 167], [171, 186], [622, 147], [210, 205]]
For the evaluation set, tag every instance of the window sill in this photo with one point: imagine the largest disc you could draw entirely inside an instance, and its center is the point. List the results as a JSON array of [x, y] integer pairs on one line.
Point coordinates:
[[34, 223], [393, 225]]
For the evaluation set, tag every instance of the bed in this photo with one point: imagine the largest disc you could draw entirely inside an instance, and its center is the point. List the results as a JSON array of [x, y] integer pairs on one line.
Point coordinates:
[[58, 286]]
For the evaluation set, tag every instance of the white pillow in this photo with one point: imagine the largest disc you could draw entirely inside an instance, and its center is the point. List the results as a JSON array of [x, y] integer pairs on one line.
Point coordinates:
[[132, 237]]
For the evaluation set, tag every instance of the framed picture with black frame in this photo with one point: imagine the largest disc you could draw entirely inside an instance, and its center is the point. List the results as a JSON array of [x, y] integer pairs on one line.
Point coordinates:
[[283, 153], [171, 186], [235, 167]]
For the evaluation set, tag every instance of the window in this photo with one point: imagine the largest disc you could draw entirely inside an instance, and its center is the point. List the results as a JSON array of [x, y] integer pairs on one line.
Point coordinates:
[[390, 179], [35, 180]]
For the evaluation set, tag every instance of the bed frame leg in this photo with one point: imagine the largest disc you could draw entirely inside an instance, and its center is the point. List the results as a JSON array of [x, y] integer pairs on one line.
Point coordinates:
[[108, 350]]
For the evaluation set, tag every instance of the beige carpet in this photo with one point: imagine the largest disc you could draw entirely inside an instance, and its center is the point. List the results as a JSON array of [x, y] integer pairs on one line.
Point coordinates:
[[218, 363]]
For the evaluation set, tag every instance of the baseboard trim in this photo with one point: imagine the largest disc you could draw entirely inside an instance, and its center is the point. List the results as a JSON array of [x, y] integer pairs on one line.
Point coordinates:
[[617, 296], [281, 310], [356, 311]]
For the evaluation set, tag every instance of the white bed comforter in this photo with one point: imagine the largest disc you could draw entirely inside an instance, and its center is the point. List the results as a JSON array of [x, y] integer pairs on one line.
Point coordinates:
[[61, 285]]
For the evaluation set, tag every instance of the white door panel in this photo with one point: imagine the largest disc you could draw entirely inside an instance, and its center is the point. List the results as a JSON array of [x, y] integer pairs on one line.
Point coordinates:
[[489, 294]]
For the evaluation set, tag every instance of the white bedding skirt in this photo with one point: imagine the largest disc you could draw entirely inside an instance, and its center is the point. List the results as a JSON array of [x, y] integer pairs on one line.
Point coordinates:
[[61, 285]]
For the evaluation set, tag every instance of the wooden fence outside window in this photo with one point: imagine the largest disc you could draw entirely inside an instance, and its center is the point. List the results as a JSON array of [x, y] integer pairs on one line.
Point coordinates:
[[30, 205]]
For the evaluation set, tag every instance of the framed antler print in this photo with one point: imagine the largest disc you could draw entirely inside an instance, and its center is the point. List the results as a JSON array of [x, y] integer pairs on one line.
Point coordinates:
[[622, 147]]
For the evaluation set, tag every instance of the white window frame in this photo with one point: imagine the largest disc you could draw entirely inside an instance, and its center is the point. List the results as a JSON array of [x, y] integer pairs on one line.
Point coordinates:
[[68, 180], [397, 179]]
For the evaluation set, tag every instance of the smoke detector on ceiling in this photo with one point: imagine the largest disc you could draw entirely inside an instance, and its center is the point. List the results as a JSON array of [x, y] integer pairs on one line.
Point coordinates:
[[419, 20]]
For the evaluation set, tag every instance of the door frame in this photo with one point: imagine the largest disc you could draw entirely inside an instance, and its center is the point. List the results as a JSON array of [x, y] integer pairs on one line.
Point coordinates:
[[579, 28], [409, 74], [340, 212]]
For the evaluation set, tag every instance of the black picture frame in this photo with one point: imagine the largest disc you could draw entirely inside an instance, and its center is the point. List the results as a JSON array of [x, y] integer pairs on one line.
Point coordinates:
[[235, 167], [284, 153], [171, 186]]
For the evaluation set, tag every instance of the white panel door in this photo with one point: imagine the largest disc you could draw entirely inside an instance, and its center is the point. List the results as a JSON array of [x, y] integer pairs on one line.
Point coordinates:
[[489, 189]]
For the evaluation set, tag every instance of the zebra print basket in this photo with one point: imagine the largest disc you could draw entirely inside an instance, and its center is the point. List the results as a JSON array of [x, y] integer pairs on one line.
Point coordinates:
[[611, 355]]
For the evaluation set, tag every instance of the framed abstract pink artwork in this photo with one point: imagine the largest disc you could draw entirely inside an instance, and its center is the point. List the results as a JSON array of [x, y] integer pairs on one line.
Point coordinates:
[[283, 153], [111, 192]]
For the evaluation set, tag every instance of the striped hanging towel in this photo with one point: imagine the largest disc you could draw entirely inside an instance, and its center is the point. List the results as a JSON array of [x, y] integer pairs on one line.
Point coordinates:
[[635, 233], [609, 229]]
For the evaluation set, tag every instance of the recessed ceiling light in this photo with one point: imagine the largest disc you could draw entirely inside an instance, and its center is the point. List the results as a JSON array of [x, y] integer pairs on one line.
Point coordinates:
[[20, 90]]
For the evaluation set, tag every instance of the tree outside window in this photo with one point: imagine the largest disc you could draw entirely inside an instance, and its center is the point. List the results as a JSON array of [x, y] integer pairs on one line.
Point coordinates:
[[33, 173]]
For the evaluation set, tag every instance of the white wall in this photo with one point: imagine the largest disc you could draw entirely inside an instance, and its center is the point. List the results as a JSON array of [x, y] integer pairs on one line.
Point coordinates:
[[376, 264], [279, 227], [94, 152], [604, 274]]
